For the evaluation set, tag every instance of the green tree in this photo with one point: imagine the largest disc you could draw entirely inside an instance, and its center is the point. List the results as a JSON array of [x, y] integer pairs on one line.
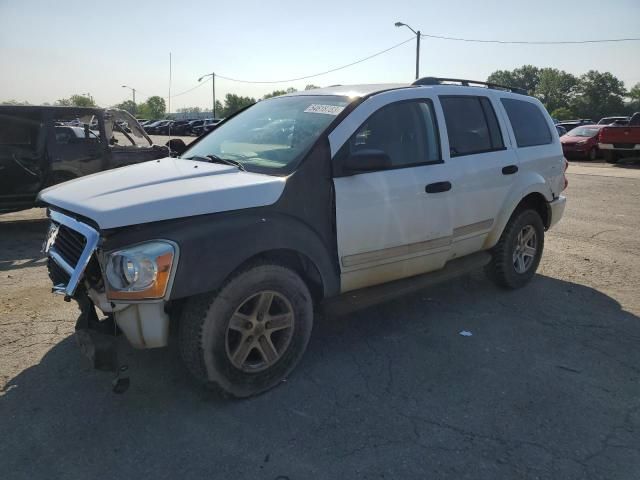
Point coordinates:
[[14, 102], [277, 93], [189, 110], [634, 105], [598, 95], [555, 88], [154, 107], [525, 77], [311, 86], [562, 113], [219, 109], [76, 101], [129, 106], [233, 103]]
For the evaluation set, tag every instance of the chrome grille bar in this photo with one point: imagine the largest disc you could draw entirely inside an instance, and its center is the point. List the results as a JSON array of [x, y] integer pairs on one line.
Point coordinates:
[[75, 271]]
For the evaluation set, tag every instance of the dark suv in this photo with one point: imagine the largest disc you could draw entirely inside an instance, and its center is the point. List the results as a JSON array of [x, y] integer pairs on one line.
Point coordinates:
[[43, 146]]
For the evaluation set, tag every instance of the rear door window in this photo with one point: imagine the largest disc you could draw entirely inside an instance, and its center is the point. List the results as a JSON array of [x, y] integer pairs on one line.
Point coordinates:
[[472, 126], [529, 124]]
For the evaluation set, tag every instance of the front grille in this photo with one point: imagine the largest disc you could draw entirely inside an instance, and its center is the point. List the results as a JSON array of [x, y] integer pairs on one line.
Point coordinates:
[[70, 244], [57, 274]]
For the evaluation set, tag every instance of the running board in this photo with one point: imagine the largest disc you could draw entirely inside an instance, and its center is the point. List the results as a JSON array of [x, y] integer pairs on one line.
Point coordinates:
[[358, 299]]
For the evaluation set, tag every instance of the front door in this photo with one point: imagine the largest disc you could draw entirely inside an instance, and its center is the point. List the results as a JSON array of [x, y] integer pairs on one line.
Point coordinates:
[[22, 156], [394, 222]]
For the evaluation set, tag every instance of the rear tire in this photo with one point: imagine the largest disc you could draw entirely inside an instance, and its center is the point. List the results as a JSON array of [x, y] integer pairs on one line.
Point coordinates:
[[611, 156], [518, 252], [247, 337]]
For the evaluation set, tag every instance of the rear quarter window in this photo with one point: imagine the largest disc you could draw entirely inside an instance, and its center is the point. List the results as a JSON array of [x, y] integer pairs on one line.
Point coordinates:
[[528, 122]]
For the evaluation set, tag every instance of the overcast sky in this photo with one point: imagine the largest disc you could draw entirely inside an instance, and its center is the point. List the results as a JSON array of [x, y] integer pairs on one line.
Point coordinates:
[[53, 49]]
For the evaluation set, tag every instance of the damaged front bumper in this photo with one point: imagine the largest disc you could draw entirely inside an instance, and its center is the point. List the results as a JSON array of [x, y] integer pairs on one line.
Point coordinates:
[[71, 246]]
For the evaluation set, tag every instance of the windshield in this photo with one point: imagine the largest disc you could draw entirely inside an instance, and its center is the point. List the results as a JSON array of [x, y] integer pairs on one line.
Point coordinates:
[[272, 135], [584, 132]]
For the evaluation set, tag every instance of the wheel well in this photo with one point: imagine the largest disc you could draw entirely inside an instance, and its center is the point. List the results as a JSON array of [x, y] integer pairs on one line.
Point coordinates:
[[537, 202], [296, 261]]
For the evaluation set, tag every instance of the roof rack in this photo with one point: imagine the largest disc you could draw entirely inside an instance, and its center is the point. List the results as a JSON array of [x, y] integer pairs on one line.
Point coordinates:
[[466, 83]]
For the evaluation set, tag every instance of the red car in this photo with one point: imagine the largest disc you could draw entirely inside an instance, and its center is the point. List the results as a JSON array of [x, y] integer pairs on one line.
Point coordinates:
[[581, 142]]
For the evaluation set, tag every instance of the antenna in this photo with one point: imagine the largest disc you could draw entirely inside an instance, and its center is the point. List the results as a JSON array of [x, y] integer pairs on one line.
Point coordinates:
[[169, 99]]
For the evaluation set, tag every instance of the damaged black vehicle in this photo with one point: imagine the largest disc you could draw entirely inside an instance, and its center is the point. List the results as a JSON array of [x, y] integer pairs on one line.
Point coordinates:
[[42, 146]]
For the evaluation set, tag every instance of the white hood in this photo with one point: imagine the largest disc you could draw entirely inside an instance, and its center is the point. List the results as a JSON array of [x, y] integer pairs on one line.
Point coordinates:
[[161, 190]]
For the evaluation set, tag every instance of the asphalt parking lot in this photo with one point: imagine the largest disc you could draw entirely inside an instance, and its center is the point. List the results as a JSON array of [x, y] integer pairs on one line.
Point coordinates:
[[547, 386]]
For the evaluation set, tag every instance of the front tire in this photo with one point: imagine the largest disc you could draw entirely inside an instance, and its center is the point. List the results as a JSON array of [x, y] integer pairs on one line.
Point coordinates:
[[518, 252], [593, 154], [247, 337]]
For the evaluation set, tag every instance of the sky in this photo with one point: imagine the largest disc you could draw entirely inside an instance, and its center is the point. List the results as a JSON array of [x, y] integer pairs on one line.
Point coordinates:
[[54, 49]]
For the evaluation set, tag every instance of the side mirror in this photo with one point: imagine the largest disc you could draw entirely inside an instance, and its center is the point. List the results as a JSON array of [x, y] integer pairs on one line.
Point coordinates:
[[177, 146], [367, 160]]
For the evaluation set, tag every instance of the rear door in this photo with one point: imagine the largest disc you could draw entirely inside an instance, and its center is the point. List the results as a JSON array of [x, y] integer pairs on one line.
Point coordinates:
[[388, 224], [483, 167], [75, 150]]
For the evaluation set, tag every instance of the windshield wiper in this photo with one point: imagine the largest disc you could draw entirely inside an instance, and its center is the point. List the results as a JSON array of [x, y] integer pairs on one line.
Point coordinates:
[[217, 159]]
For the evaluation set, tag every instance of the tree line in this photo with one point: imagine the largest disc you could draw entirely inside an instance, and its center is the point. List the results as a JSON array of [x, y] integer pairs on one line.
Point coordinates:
[[592, 95], [566, 96]]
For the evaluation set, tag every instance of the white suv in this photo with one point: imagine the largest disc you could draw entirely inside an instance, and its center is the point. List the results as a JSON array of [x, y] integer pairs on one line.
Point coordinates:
[[298, 200]]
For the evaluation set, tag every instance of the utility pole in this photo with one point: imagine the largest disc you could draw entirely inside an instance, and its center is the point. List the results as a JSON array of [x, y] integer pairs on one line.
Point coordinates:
[[133, 90], [418, 55], [213, 90]]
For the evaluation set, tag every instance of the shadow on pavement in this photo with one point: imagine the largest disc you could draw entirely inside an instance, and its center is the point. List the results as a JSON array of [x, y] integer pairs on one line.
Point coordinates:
[[546, 387], [20, 243]]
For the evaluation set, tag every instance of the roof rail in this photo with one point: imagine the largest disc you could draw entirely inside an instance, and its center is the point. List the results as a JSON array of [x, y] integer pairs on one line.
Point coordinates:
[[466, 83]]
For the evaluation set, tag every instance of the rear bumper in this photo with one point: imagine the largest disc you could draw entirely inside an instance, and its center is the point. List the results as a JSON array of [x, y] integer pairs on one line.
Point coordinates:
[[557, 209], [612, 146]]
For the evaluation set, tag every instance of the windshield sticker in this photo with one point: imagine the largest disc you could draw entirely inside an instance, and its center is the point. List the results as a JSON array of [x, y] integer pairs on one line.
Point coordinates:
[[326, 109]]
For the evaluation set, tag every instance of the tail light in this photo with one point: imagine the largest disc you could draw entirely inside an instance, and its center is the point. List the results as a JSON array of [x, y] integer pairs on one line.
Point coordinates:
[[564, 176]]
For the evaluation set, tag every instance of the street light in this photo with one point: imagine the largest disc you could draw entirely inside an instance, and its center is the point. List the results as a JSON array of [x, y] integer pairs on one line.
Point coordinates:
[[400, 24], [213, 89], [133, 90]]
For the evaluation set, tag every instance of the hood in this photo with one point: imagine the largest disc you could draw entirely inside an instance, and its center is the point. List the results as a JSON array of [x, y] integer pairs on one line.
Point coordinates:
[[162, 190], [573, 140]]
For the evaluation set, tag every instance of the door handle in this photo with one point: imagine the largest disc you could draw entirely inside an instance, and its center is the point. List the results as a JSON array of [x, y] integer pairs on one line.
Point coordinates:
[[509, 169], [438, 187]]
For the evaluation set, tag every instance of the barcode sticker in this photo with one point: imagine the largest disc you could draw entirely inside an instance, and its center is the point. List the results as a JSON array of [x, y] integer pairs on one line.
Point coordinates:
[[326, 109]]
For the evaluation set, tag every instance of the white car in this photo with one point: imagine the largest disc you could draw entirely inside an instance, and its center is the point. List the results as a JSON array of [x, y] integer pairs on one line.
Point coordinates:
[[378, 189]]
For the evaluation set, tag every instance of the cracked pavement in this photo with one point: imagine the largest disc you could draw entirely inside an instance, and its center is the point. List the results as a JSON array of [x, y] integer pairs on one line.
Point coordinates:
[[547, 387]]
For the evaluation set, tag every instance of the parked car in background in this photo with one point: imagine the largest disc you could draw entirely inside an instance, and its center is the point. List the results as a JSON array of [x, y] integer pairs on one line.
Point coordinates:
[[360, 204], [561, 130], [43, 146], [153, 128], [193, 124], [582, 142], [206, 124], [617, 142], [211, 125], [613, 120], [165, 128], [180, 127], [571, 124]]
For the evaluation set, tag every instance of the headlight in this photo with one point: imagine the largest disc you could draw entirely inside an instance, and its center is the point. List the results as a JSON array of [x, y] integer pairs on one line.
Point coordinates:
[[584, 142], [141, 272]]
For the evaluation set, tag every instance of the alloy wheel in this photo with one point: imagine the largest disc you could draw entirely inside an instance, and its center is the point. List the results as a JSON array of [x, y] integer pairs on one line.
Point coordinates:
[[259, 331], [526, 249]]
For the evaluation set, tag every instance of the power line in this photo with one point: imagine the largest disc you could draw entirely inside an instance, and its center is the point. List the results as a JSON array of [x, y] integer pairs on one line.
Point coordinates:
[[321, 73], [192, 88], [535, 42]]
